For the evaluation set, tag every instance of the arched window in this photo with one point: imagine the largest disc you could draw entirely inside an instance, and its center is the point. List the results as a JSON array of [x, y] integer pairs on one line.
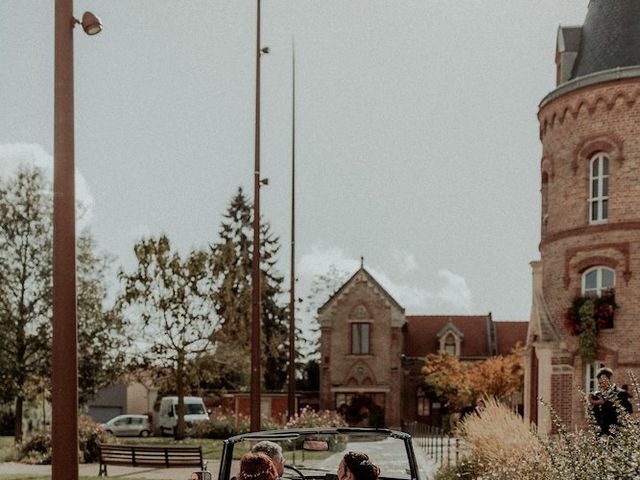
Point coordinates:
[[599, 188], [598, 279]]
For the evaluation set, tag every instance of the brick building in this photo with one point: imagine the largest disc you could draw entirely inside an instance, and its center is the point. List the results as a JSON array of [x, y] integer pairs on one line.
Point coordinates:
[[372, 353], [590, 225]]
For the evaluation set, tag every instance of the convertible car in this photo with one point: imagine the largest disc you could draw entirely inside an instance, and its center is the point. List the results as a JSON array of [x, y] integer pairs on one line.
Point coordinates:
[[315, 453]]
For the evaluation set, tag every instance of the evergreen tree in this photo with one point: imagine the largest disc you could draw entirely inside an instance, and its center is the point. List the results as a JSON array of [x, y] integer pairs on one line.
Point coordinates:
[[232, 265]]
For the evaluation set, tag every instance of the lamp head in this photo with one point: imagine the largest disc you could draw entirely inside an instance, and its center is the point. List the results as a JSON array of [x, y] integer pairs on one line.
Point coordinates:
[[90, 23]]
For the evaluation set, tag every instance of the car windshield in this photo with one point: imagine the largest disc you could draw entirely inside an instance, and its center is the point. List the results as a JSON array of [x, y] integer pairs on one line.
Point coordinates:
[[319, 455], [190, 409]]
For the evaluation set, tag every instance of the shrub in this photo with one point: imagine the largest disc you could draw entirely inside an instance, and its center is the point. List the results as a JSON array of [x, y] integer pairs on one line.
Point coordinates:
[[310, 418], [37, 448], [219, 425], [503, 446]]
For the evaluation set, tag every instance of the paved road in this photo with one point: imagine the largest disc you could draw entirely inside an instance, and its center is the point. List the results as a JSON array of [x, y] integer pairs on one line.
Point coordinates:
[[385, 456], [114, 471]]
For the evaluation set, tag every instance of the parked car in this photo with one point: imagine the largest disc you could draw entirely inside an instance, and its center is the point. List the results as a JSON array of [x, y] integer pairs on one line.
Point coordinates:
[[129, 426], [194, 411], [315, 454]]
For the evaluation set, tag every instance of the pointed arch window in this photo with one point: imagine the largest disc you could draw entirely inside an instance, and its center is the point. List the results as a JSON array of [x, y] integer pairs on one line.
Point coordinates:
[[599, 188]]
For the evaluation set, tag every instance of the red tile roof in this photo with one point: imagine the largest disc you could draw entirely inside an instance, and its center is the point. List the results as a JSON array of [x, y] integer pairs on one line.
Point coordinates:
[[422, 331], [510, 333]]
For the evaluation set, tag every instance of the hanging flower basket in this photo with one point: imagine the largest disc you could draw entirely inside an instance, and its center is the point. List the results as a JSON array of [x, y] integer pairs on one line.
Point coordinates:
[[586, 316]]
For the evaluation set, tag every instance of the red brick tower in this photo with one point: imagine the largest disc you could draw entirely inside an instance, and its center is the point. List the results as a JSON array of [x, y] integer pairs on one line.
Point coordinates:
[[590, 225]]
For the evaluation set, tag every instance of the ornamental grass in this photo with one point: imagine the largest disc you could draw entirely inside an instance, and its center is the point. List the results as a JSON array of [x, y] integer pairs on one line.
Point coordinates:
[[502, 445]]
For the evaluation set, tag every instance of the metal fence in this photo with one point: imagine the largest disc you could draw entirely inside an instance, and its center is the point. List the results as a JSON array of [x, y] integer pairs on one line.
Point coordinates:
[[440, 446]]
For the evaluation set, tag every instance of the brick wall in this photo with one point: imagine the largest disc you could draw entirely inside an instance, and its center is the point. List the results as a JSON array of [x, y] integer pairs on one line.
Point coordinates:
[[598, 118]]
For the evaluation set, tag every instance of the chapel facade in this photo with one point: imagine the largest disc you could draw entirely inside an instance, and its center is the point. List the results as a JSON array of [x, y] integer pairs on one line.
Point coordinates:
[[372, 353], [590, 215]]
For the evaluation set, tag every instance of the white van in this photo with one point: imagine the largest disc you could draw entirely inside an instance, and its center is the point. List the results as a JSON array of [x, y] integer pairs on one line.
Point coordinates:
[[194, 411]]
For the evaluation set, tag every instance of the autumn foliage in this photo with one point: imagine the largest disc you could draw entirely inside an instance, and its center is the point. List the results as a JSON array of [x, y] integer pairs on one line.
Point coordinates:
[[460, 383]]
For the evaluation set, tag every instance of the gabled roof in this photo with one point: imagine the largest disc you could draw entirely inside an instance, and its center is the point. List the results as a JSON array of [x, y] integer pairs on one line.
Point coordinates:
[[450, 327], [361, 272], [422, 331]]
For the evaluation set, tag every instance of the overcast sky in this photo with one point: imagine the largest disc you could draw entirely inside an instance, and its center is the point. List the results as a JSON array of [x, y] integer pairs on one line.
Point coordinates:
[[417, 137]]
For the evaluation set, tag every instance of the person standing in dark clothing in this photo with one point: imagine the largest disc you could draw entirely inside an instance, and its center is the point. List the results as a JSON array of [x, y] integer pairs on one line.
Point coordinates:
[[607, 402]]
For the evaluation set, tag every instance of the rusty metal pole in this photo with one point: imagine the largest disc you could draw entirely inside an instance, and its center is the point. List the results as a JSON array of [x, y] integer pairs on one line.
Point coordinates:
[[65, 337], [292, 291], [255, 267]]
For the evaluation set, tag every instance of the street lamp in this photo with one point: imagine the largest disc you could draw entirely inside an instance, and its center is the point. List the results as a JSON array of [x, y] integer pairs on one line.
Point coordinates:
[[90, 23], [64, 393]]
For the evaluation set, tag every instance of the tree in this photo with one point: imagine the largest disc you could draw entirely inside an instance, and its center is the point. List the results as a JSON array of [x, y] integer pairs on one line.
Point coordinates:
[[26, 298], [232, 265], [461, 383], [322, 288], [25, 283], [447, 378], [171, 295], [102, 338]]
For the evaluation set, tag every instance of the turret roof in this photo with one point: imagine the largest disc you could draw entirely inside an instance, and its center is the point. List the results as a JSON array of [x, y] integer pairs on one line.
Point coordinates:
[[610, 37]]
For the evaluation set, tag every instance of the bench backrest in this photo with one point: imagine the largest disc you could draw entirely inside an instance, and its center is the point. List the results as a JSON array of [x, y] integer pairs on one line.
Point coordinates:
[[151, 455]]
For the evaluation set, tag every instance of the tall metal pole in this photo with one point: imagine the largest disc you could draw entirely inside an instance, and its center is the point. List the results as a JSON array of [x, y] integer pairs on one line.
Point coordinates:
[[65, 337], [255, 267], [292, 289]]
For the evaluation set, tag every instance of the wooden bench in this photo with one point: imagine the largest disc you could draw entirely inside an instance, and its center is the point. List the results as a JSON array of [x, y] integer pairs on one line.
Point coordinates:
[[158, 456]]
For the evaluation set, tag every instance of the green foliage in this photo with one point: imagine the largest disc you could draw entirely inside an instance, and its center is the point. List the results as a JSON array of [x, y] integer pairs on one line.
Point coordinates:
[[37, 448], [586, 316], [220, 425], [171, 295], [232, 265], [26, 298]]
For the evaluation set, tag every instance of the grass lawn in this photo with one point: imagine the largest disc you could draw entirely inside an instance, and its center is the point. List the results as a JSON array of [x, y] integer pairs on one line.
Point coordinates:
[[7, 450], [211, 449]]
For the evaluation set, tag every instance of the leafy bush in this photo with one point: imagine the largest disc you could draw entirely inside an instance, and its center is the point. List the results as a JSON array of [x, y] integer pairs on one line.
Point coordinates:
[[219, 425], [310, 418], [37, 448]]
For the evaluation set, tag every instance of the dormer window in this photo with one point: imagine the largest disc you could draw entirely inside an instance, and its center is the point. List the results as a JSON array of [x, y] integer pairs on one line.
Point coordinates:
[[450, 345], [450, 339], [599, 188]]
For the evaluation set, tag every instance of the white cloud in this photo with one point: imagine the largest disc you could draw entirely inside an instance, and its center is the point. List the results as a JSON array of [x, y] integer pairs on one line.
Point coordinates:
[[12, 155], [406, 261], [451, 296]]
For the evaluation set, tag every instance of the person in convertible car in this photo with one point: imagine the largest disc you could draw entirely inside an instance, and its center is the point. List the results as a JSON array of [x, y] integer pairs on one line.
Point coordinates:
[[257, 466], [273, 451], [357, 466]]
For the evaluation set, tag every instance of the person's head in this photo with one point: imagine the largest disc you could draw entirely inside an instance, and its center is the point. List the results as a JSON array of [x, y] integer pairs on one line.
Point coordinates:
[[257, 466], [357, 466], [604, 376], [273, 451], [627, 388]]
